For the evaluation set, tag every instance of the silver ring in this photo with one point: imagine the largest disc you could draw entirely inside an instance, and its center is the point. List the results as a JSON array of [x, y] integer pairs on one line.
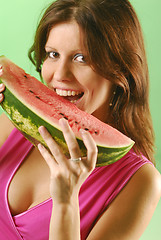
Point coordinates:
[[76, 159]]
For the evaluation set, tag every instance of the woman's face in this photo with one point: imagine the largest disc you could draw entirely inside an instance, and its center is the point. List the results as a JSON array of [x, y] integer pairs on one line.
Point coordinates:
[[66, 70]]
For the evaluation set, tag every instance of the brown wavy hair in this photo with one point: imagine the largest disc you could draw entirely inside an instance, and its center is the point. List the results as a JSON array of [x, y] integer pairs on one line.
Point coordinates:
[[115, 47]]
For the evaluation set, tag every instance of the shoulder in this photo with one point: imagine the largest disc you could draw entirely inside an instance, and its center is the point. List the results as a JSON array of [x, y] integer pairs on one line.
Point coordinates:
[[144, 187], [130, 212], [148, 180], [140, 197], [5, 128], [146, 175]]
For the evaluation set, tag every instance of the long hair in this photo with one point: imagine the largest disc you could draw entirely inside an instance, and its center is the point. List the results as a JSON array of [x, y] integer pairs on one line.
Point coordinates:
[[114, 43]]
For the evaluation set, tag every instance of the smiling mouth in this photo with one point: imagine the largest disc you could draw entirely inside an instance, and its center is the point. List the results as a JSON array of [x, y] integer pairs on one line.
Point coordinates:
[[72, 96]]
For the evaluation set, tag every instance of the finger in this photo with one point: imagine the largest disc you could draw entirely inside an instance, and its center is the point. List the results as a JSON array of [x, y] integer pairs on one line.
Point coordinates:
[[1, 69], [70, 139], [2, 87], [53, 146], [1, 97], [91, 149], [48, 158]]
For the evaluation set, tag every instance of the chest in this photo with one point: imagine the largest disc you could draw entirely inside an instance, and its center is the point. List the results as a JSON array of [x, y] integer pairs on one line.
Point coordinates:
[[30, 184]]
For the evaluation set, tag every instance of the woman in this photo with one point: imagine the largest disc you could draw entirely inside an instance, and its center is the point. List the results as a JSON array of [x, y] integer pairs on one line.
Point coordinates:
[[92, 53]]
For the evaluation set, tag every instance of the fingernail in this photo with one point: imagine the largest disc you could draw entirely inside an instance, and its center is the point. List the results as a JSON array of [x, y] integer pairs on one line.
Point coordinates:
[[83, 132], [1, 67], [40, 146], [63, 122], [1, 85], [41, 128]]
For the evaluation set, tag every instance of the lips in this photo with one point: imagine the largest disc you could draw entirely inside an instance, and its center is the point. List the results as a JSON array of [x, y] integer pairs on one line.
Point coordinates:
[[71, 95]]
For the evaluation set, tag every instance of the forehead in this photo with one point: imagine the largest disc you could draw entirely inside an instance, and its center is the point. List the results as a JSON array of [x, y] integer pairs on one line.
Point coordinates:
[[66, 34]]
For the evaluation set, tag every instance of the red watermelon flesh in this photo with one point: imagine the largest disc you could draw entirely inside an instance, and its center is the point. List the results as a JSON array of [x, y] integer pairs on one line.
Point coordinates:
[[35, 97]]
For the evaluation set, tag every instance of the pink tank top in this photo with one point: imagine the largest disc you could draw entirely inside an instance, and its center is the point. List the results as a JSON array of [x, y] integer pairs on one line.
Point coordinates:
[[97, 192]]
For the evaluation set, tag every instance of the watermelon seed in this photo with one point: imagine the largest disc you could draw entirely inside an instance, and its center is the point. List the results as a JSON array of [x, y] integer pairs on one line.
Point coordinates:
[[31, 91], [96, 132], [66, 118], [25, 76], [76, 122], [62, 114], [37, 97], [86, 129]]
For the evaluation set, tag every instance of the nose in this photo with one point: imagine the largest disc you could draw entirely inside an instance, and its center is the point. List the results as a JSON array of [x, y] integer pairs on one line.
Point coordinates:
[[63, 71]]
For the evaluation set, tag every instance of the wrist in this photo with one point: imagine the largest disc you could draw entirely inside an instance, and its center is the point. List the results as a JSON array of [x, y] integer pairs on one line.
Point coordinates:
[[67, 224], [66, 199], [66, 203]]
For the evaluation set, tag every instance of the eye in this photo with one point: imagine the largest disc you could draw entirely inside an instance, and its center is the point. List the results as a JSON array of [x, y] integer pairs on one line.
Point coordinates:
[[52, 54], [79, 58]]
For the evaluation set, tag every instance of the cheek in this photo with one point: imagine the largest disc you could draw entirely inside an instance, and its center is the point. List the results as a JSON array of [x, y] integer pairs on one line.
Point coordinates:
[[43, 72], [103, 89], [92, 81], [87, 78], [46, 73]]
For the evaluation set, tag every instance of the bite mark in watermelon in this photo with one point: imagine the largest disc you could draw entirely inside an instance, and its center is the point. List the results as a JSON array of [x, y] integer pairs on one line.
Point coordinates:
[[30, 104]]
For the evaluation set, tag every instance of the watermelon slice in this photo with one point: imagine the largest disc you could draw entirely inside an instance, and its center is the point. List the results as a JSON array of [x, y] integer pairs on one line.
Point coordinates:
[[30, 104]]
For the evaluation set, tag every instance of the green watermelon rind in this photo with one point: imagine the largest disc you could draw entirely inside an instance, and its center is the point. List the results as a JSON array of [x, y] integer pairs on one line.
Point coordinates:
[[28, 123]]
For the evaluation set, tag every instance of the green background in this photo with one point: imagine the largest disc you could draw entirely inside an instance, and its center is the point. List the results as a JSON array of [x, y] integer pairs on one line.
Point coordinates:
[[18, 21]]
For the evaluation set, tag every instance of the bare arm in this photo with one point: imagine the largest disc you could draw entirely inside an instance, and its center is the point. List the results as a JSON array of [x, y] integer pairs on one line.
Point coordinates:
[[67, 177], [65, 221], [130, 213], [127, 216], [5, 128], [5, 124]]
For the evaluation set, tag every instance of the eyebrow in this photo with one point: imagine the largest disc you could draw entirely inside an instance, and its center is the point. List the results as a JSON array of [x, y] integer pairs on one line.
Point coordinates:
[[73, 51], [50, 48]]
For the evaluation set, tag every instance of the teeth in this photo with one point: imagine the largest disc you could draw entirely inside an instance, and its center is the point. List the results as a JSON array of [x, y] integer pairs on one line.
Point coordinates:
[[67, 93], [74, 93]]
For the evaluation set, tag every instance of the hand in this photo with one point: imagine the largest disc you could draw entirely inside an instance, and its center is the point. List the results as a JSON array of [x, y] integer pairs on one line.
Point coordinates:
[[2, 86], [67, 176]]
